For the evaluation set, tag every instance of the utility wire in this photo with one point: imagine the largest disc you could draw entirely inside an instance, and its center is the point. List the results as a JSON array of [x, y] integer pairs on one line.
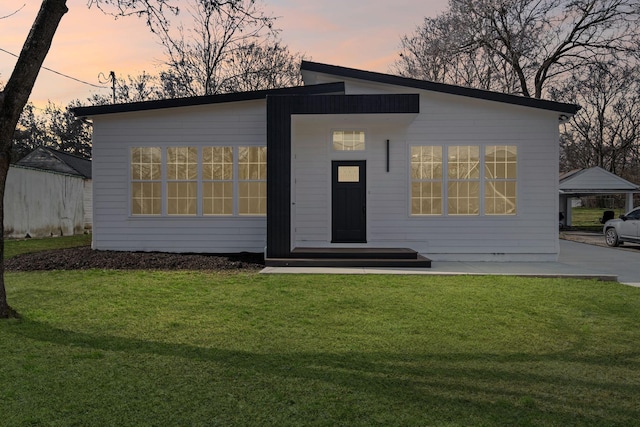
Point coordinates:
[[59, 73]]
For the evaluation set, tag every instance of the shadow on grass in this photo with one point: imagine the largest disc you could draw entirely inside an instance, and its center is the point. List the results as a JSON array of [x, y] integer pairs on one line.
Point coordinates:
[[495, 389]]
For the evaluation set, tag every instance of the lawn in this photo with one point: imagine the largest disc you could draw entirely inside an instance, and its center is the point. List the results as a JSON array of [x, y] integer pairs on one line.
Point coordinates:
[[589, 218], [105, 348], [13, 247]]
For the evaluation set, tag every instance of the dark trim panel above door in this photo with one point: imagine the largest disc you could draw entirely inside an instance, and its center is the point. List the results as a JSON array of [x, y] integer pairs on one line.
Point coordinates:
[[279, 111]]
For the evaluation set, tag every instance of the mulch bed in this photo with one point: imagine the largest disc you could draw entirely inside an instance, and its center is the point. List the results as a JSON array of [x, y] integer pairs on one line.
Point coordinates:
[[84, 258]]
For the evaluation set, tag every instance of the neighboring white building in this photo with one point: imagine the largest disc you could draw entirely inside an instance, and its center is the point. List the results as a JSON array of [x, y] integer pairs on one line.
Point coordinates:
[[356, 160], [48, 193]]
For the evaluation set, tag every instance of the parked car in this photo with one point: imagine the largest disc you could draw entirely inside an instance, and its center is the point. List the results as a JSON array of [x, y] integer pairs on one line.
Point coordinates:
[[623, 229]]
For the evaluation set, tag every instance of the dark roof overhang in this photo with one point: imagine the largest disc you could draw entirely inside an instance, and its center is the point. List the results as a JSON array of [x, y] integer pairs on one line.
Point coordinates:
[[566, 109], [324, 89]]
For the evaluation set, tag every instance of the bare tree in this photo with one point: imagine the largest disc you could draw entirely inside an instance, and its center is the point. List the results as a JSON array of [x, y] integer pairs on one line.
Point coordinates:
[[256, 66], [15, 94], [67, 133], [200, 51], [30, 133], [132, 88], [606, 131], [519, 46]]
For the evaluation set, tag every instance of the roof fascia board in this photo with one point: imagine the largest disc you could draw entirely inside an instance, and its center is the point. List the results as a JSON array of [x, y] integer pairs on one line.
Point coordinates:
[[352, 73], [31, 168], [327, 88]]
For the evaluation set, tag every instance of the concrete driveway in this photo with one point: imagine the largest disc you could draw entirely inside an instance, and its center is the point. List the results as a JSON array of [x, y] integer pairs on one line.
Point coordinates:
[[577, 260], [623, 261]]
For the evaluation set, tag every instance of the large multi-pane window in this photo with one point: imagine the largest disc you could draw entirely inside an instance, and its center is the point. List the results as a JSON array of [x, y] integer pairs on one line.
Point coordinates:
[[182, 180], [426, 180], [146, 181], [348, 140], [217, 181], [500, 166], [252, 180], [465, 179], [463, 165], [191, 181]]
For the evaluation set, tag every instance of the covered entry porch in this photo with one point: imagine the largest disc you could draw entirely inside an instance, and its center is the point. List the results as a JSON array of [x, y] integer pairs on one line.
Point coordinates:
[[326, 206]]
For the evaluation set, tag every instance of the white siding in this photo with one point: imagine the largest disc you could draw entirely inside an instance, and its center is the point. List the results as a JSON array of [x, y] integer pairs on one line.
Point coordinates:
[[443, 120], [87, 198], [230, 124], [42, 204]]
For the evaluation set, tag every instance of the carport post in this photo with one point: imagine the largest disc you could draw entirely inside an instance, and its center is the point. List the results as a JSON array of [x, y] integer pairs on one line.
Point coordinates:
[[568, 206], [629, 205]]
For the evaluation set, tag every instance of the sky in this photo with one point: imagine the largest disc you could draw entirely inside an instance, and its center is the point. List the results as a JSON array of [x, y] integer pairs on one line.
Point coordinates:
[[362, 34]]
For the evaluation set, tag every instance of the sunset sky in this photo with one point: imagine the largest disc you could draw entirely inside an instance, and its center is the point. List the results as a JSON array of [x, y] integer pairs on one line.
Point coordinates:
[[362, 34]]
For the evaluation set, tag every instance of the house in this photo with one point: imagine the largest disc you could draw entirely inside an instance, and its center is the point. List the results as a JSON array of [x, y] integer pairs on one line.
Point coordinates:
[[48, 193], [349, 164], [591, 182]]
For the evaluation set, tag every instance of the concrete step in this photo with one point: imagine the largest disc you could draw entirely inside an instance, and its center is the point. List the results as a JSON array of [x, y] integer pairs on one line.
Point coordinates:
[[418, 262], [359, 253]]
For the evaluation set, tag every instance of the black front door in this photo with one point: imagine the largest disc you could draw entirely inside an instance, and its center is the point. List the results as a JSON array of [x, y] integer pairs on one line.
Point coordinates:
[[349, 201]]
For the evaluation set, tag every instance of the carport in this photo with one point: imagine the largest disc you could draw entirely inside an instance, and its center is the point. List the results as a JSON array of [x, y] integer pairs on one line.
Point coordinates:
[[591, 182]]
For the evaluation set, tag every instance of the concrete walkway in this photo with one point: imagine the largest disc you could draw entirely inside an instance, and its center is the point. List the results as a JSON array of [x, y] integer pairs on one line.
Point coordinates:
[[577, 260]]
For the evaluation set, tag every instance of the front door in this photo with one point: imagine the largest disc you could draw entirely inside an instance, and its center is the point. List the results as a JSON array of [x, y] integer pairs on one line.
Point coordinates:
[[349, 202]]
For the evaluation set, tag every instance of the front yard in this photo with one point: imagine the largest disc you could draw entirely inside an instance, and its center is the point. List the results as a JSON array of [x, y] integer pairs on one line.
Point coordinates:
[[142, 348]]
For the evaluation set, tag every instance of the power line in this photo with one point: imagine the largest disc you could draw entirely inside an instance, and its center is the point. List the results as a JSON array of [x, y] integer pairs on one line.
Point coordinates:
[[59, 73]]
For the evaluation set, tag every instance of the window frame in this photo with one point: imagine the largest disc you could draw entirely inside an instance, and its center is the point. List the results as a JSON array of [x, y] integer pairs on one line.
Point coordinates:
[[225, 180], [155, 183], [345, 130], [480, 182], [258, 182], [456, 179], [164, 182], [508, 179], [432, 180], [189, 181]]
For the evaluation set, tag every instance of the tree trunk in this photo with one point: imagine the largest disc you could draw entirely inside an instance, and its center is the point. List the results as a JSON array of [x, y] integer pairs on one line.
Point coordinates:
[[13, 99]]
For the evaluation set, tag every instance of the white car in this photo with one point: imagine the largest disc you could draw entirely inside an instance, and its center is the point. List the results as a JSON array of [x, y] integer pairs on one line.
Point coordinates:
[[623, 229]]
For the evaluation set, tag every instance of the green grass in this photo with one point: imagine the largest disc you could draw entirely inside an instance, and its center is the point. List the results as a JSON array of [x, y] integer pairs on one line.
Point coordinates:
[[23, 246], [104, 348], [589, 218]]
